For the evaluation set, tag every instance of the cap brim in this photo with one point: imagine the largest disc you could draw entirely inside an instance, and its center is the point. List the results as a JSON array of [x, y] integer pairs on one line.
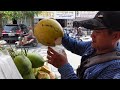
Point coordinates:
[[92, 24]]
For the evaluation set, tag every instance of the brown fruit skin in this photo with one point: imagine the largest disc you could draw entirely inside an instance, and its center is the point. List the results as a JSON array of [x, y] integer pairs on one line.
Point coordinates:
[[43, 75], [45, 68], [52, 75], [47, 31]]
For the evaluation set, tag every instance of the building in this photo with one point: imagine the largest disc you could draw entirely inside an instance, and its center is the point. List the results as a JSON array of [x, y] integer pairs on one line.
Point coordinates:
[[66, 18], [62, 17]]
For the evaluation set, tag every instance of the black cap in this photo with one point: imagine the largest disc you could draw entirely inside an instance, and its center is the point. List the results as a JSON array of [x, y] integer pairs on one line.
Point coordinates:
[[102, 20]]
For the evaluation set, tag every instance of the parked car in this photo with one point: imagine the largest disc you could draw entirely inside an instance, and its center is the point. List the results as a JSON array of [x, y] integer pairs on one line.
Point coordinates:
[[11, 32]]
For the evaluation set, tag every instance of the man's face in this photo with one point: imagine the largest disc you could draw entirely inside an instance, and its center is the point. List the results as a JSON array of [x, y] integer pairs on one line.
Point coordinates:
[[101, 40]]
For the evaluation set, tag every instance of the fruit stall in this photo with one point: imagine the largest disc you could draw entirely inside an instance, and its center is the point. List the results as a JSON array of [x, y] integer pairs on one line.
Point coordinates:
[[26, 64], [22, 64]]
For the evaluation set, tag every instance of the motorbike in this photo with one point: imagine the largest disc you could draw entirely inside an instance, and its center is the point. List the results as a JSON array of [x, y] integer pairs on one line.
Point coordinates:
[[20, 42]]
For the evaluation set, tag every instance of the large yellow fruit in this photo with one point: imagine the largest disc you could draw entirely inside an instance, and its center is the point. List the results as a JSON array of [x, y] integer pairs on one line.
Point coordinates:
[[47, 31]]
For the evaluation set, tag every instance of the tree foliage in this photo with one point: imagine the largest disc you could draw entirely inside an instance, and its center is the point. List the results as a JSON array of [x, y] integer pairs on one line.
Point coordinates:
[[18, 14]]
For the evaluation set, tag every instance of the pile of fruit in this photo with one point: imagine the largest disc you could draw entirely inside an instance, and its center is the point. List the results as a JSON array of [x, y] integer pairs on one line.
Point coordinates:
[[31, 65], [43, 72]]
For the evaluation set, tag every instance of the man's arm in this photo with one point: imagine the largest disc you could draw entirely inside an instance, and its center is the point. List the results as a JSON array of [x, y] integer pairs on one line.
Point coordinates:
[[77, 47], [67, 72]]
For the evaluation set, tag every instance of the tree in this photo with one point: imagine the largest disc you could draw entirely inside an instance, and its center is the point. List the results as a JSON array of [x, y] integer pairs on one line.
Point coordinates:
[[15, 15], [12, 15], [31, 15]]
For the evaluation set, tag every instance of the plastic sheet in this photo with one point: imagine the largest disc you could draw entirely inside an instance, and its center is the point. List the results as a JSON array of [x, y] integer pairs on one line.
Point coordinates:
[[8, 69]]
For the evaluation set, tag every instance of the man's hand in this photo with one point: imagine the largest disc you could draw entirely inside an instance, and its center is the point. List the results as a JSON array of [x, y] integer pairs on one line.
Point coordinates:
[[55, 58]]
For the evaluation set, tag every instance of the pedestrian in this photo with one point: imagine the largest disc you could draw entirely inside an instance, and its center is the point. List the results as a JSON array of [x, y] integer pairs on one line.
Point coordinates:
[[80, 32], [94, 65]]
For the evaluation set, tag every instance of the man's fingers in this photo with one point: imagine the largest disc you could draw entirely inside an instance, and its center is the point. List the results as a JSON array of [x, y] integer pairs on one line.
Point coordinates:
[[52, 50], [49, 59], [49, 53]]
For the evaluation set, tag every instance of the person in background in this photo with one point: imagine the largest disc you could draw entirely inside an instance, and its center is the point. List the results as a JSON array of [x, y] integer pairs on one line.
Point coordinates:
[[80, 32], [105, 35], [29, 37]]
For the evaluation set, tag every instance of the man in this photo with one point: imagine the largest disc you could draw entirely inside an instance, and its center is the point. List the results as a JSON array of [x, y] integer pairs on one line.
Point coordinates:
[[106, 33], [29, 38]]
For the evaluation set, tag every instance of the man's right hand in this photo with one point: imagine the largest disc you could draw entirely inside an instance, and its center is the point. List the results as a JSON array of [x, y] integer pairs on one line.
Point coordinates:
[[55, 58]]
